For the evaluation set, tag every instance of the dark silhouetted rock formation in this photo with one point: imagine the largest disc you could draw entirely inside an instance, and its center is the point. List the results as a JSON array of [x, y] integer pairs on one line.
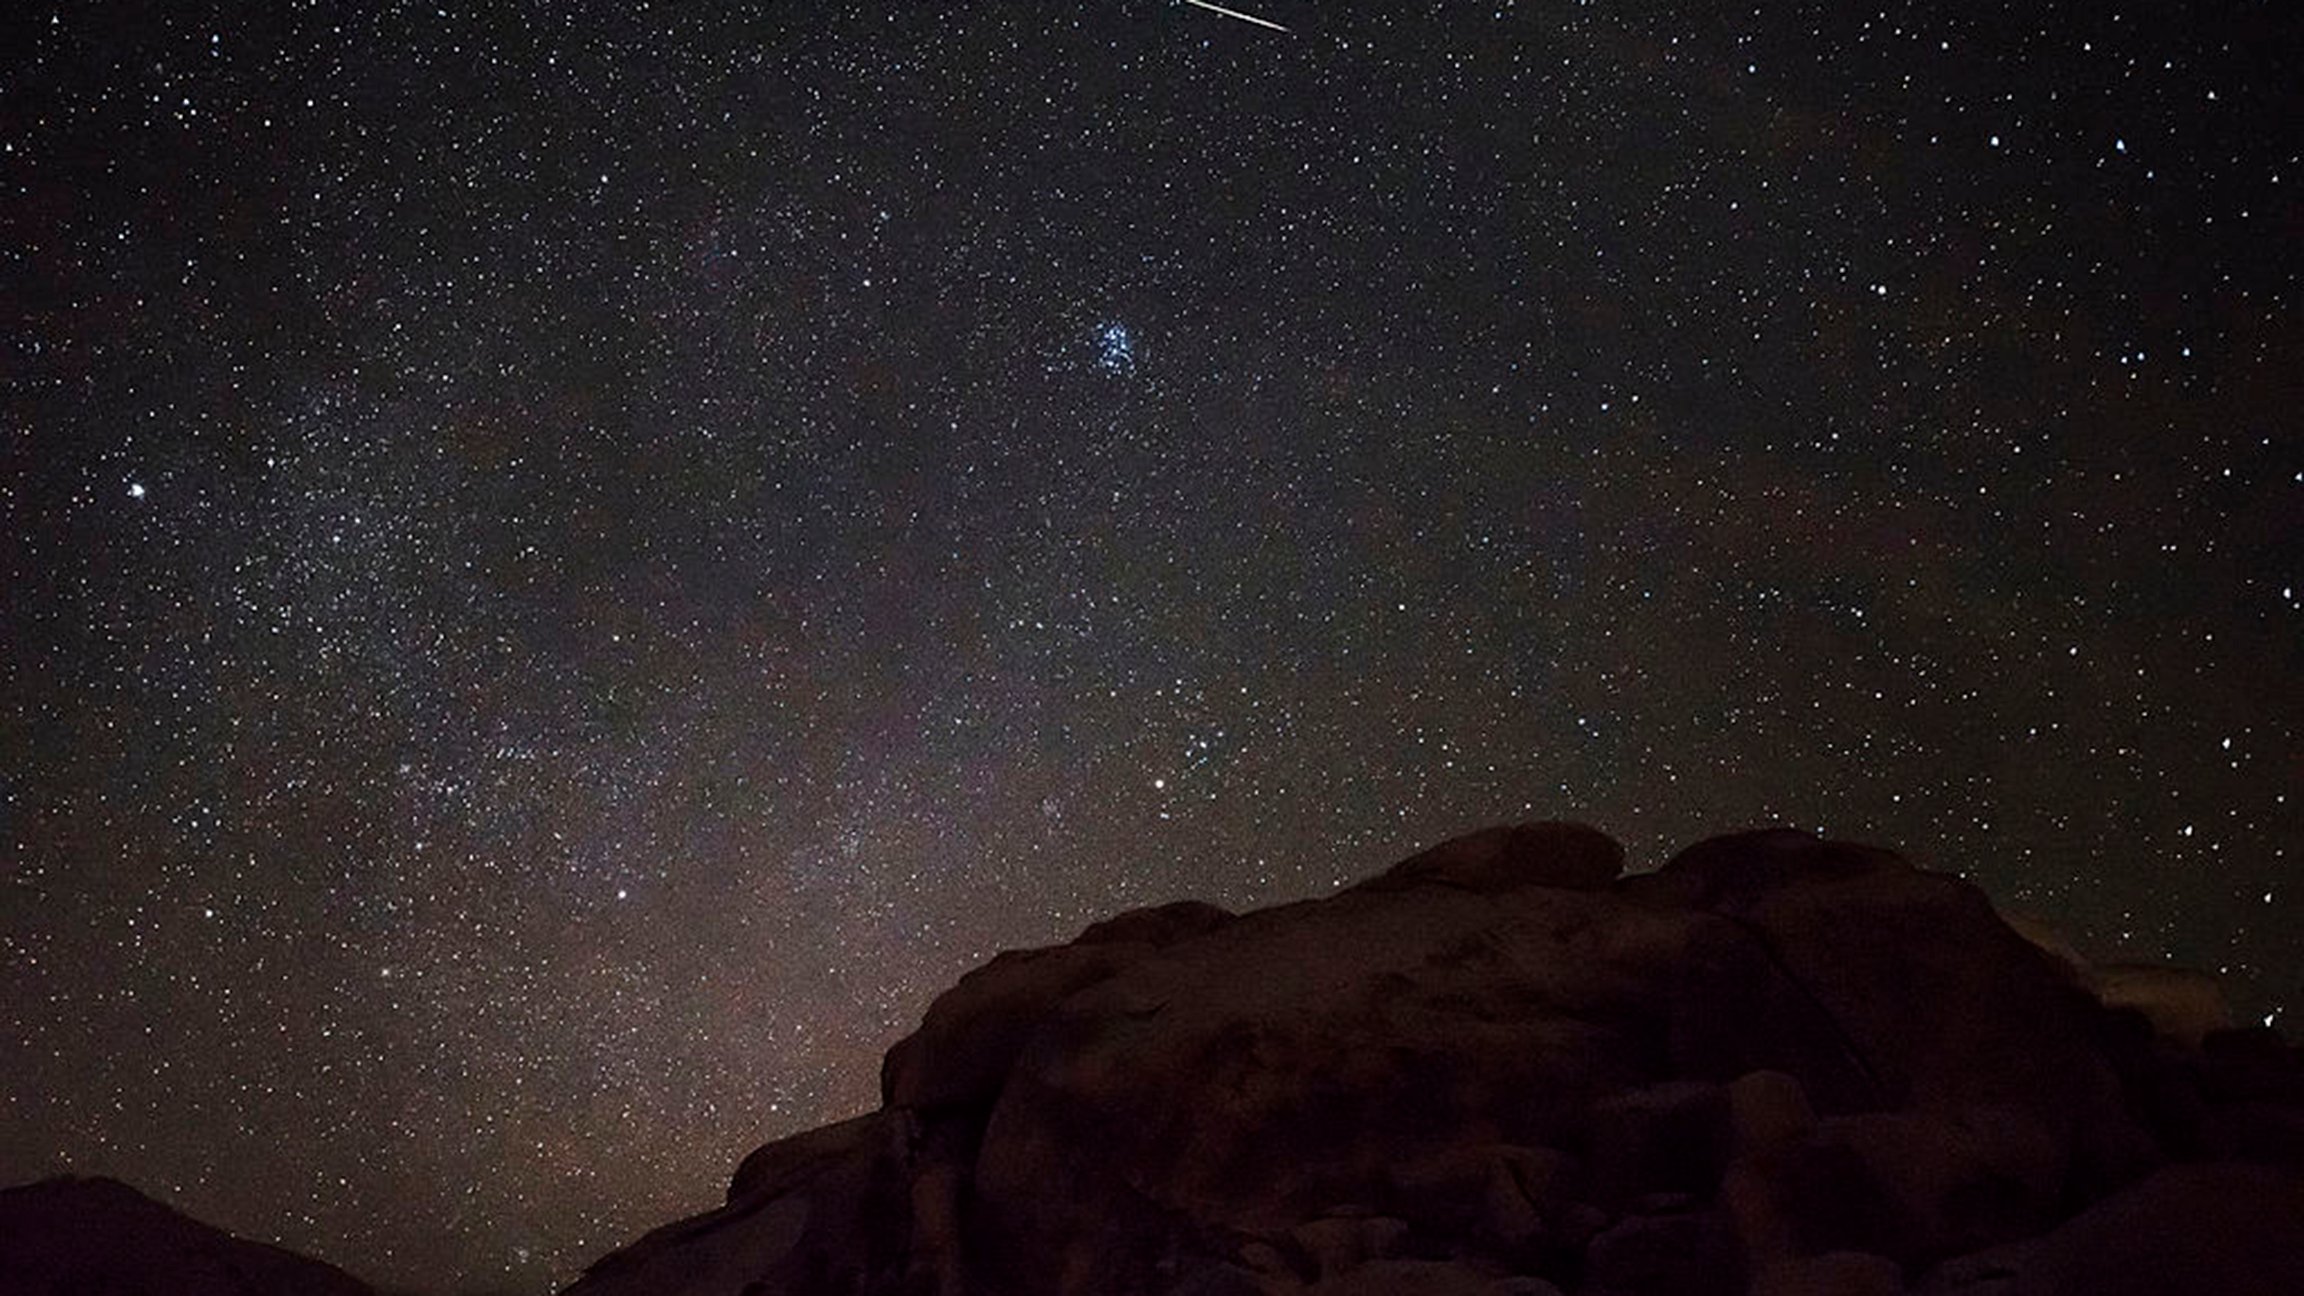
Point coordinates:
[[1777, 1065], [99, 1237]]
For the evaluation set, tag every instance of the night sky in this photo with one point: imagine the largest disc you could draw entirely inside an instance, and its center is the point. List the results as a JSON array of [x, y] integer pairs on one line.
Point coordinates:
[[562, 570]]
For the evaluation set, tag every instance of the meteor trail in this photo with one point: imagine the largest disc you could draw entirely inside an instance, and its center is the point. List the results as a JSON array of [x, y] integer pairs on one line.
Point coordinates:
[[1234, 13]]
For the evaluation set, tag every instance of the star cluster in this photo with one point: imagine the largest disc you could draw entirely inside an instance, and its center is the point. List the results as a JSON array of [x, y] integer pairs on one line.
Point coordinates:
[[564, 568]]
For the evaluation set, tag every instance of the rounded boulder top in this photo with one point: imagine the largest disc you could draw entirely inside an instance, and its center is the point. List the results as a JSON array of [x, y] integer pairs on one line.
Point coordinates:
[[1547, 853], [1739, 868]]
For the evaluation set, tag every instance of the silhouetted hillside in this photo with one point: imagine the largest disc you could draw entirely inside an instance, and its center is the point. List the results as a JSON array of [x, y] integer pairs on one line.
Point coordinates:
[[99, 1237]]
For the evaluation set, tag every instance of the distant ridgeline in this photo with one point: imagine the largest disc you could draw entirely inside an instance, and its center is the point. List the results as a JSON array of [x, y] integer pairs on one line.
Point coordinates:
[[1777, 1065], [99, 1237]]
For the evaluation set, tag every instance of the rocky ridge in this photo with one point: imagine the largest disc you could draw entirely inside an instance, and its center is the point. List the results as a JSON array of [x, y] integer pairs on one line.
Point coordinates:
[[1778, 1065]]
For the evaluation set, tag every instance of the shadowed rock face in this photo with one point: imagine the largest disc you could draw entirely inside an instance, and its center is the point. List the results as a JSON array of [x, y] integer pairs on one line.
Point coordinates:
[[98, 1237], [1776, 1065]]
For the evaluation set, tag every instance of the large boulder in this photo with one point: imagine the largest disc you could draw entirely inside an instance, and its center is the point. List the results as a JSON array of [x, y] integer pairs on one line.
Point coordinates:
[[1777, 1064], [68, 1236], [1270, 1071]]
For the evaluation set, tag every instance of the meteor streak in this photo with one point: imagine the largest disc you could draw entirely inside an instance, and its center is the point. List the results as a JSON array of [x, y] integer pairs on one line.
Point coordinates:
[[1234, 13]]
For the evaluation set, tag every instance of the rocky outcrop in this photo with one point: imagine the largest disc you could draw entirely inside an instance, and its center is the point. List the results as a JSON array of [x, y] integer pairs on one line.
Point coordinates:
[[101, 1236], [1776, 1065]]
